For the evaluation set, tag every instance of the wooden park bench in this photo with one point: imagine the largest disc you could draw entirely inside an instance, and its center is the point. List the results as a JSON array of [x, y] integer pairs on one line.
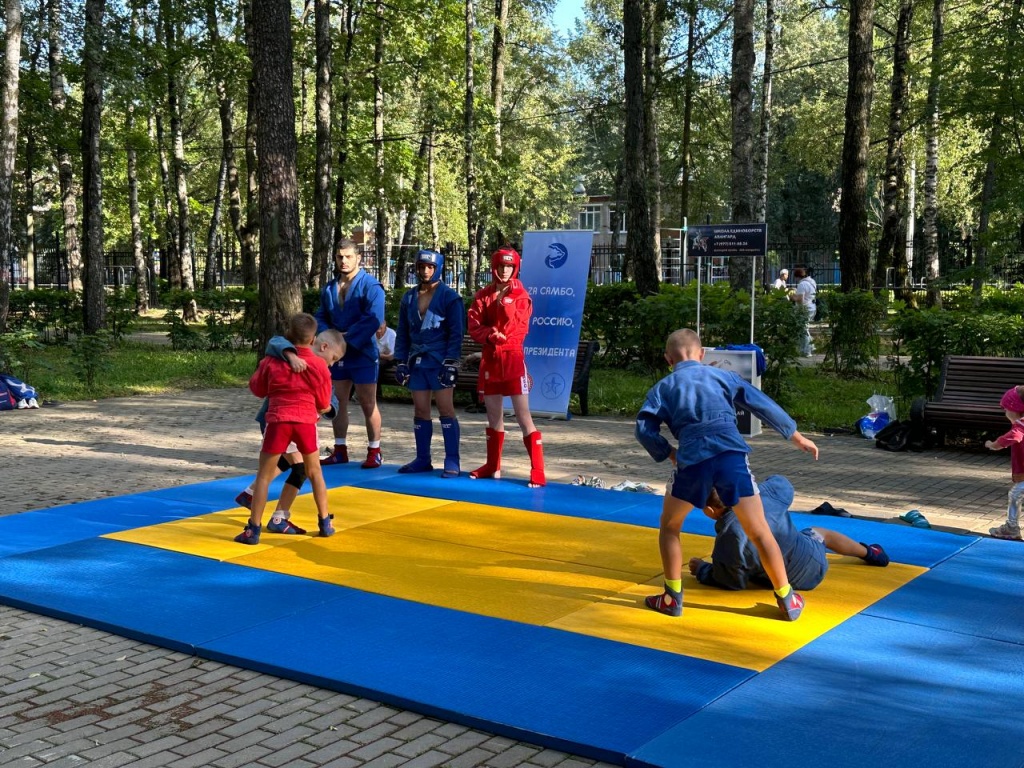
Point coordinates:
[[469, 368], [969, 392]]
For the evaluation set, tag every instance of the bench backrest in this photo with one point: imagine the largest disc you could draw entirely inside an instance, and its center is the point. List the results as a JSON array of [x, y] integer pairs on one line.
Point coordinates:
[[976, 379]]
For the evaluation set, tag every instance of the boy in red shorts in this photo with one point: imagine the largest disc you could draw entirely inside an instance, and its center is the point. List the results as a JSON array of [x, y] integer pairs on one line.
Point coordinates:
[[296, 401]]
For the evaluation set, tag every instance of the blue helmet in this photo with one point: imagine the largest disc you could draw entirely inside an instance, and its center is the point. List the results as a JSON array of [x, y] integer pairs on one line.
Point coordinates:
[[427, 256]]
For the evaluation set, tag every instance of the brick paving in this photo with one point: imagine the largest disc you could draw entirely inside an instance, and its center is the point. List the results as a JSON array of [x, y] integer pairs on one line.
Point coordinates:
[[75, 696]]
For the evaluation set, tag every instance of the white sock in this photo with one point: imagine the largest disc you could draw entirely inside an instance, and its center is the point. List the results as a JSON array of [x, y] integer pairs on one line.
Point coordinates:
[[339, 441], [373, 444]]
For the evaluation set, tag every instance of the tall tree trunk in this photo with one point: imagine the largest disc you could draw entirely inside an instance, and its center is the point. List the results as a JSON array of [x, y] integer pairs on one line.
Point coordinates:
[[468, 128], [412, 214], [894, 189], [741, 97], [1010, 64], [8, 146], [178, 169], [171, 258], [435, 235], [640, 255], [282, 264], [323, 213], [687, 166], [761, 197], [94, 301], [854, 244], [62, 153], [212, 249], [348, 23], [250, 241], [653, 13], [226, 111], [931, 168], [380, 234], [29, 171], [498, 102], [135, 216]]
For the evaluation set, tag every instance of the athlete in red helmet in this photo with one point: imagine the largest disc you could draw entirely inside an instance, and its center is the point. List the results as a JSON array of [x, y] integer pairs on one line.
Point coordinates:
[[499, 319]]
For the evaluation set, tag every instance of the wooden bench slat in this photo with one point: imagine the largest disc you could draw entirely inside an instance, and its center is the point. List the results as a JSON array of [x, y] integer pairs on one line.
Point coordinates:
[[969, 392]]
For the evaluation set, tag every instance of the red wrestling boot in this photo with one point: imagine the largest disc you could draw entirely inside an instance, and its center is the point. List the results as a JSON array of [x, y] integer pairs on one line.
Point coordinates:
[[495, 441], [535, 447]]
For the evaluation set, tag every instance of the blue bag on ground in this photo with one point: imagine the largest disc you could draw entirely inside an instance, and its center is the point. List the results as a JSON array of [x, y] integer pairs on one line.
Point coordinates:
[[12, 391], [871, 424]]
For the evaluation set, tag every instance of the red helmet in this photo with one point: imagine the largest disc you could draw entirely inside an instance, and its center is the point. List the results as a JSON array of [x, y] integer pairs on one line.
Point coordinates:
[[502, 257]]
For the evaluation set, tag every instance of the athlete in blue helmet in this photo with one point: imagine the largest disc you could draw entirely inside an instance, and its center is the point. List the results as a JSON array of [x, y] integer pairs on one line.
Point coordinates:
[[431, 321]]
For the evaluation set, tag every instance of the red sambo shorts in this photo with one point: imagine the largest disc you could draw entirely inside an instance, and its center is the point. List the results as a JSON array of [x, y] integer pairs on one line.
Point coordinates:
[[280, 433]]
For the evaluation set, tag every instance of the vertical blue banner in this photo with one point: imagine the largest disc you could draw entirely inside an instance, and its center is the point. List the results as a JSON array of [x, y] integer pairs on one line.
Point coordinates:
[[555, 269]]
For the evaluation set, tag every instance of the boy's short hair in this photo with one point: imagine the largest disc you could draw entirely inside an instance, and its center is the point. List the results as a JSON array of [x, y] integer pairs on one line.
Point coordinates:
[[333, 338], [301, 329], [680, 340]]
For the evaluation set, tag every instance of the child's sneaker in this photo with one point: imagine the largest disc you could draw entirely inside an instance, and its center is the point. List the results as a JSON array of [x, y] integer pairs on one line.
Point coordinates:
[[791, 605], [326, 526], [668, 602], [876, 555], [284, 525], [251, 534], [244, 499], [338, 456], [1006, 531], [373, 459]]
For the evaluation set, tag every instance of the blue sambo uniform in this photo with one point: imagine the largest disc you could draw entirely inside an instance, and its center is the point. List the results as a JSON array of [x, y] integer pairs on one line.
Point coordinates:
[[428, 341], [698, 403], [735, 561], [358, 318]]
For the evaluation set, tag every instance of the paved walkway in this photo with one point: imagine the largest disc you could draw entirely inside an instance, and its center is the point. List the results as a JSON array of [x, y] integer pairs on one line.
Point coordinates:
[[73, 696]]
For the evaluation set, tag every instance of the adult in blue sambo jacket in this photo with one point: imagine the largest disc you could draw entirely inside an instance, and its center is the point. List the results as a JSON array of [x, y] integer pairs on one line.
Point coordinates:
[[428, 345], [735, 563], [698, 403], [354, 304]]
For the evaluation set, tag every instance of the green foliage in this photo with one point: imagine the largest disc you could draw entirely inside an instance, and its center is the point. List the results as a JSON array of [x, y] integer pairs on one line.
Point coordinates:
[[90, 357], [54, 315], [633, 330], [182, 334], [607, 316], [852, 342], [921, 339], [120, 312], [13, 349]]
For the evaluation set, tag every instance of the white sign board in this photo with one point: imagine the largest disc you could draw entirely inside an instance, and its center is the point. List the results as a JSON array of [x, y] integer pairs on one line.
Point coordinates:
[[743, 363]]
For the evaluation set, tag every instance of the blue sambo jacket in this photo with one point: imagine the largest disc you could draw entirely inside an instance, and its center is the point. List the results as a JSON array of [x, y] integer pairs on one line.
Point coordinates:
[[437, 336], [358, 318]]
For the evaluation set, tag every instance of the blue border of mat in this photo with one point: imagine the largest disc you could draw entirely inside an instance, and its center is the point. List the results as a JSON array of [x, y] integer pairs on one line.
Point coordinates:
[[650, 708]]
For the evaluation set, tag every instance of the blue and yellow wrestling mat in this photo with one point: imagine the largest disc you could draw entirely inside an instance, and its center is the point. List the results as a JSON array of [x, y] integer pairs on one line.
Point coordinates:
[[520, 611]]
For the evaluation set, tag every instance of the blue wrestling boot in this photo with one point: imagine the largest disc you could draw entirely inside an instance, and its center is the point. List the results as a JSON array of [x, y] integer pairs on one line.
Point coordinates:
[[325, 525], [876, 555], [281, 524], [668, 602], [423, 431], [251, 534]]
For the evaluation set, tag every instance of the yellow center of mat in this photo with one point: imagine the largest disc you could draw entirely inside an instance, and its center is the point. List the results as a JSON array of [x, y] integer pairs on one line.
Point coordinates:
[[568, 573]]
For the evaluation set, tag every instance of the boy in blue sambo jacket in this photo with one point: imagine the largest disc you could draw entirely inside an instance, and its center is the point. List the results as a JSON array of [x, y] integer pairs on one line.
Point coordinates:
[[428, 346], [698, 403]]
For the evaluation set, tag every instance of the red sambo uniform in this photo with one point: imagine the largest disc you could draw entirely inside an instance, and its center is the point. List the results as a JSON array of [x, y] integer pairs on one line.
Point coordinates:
[[494, 314]]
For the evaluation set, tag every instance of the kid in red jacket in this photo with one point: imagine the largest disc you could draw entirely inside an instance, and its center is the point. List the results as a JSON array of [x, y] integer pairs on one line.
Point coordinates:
[[499, 319], [296, 401]]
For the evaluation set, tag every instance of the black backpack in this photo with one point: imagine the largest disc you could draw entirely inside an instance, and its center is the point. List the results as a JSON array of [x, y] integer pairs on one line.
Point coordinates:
[[902, 436]]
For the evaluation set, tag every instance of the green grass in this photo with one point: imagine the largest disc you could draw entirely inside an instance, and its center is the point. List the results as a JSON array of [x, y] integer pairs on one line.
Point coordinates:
[[136, 368], [815, 400]]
